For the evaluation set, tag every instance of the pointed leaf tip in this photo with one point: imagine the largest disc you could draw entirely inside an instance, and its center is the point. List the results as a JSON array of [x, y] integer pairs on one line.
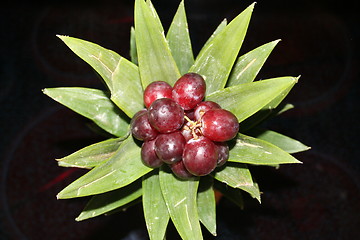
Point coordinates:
[[154, 56], [248, 66], [217, 57], [123, 168]]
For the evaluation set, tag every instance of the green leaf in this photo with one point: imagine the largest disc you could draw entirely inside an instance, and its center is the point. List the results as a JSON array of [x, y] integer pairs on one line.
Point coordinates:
[[253, 190], [179, 40], [258, 152], [93, 104], [238, 176], [127, 91], [244, 100], [284, 142], [283, 108], [180, 198], [133, 51], [91, 156], [233, 194], [123, 168], [206, 204], [262, 115], [248, 65], [279, 98], [219, 28], [124, 207], [155, 211], [155, 60], [217, 59], [103, 61], [106, 202]]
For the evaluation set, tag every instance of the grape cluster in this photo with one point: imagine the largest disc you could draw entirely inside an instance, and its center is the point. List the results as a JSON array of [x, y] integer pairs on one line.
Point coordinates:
[[180, 129]]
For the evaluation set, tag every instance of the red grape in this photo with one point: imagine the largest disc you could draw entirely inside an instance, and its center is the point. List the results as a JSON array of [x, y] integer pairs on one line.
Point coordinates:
[[169, 146], [203, 107], [180, 170], [223, 153], [148, 155], [219, 125], [165, 115], [189, 90], [141, 128], [200, 156], [156, 90]]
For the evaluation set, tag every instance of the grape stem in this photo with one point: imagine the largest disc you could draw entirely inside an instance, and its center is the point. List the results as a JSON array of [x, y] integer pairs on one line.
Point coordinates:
[[195, 127]]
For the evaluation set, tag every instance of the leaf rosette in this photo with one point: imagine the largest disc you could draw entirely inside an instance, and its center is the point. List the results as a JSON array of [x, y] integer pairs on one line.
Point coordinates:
[[118, 177]]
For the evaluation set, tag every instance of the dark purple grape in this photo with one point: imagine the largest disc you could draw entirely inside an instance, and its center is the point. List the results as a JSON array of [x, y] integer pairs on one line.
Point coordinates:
[[223, 153], [169, 147], [180, 171], [139, 113], [190, 114], [148, 155], [189, 90], [165, 115], [219, 125], [203, 107], [156, 90], [200, 156], [141, 128]]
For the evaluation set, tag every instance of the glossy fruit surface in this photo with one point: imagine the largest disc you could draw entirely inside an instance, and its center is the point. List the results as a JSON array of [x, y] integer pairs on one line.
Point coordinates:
[[219, 125], [141, 128], [223, 153], [190, 114], [169, 147], [165, 115], [203, 107], [189, 90], [156, 90], [200, 156], [180, 170], [148, 155]]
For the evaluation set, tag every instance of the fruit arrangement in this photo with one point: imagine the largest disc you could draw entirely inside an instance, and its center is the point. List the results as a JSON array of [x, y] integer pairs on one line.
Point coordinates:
[[180, 127], [182, 130]]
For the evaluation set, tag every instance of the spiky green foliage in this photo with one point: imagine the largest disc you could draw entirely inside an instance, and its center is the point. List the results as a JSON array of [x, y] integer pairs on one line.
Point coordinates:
[[118, 177]]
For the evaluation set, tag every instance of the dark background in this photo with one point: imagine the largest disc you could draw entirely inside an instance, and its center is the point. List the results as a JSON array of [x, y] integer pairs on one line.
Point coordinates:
[[317, 200]]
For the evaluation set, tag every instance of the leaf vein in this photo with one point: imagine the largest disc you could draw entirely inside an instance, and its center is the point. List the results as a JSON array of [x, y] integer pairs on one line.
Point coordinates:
[[96, 180], [101, 62]]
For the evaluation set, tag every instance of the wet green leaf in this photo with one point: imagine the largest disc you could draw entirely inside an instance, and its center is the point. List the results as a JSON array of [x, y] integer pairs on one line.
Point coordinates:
[[155, 60], [155, 211], [206, 204], [284, 142], [123, 168], [216, 60], [248, 65], [91, 156], [179, 40], [246, 99], [238, 176], [93, 104], [258, 152], [106, 202], [180, 198], [127, 91]]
